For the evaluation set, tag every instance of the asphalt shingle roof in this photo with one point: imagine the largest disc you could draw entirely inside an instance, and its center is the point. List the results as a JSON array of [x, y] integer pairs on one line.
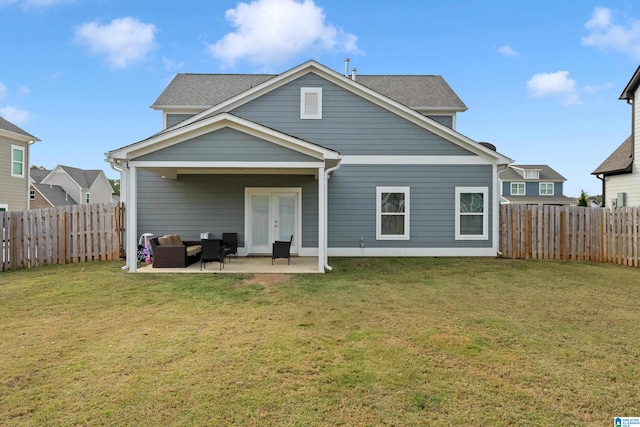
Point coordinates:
[[546, 174], [206, 90], [84, 178], [8, 126], [619, 161]]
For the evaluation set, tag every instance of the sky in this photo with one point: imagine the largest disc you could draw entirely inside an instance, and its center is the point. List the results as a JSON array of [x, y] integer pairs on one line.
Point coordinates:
[[541, 79]]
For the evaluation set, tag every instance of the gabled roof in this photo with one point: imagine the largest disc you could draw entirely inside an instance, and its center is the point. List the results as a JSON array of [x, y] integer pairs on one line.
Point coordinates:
[[84, 178], [200, 91], [9, 128], [37, 175], [631, 87], [54, 194], [620, 161], [546, 174]]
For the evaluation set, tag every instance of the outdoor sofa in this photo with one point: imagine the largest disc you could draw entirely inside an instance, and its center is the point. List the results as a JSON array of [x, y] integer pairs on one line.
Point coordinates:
[[170, 251]]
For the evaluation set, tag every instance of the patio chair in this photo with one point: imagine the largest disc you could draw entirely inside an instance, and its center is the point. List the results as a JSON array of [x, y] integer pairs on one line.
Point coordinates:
[[230, 241], [281, 249], [212, 250]]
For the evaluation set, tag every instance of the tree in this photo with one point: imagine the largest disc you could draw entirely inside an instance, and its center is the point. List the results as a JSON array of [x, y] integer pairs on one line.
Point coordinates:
[[115, 184], [583, 200]]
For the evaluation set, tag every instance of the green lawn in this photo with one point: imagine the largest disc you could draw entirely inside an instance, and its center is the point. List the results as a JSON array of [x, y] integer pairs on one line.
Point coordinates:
[[398, 342]]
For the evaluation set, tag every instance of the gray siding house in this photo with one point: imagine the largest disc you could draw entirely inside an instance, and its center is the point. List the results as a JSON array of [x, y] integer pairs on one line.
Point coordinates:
[[66, 185], [14, 166], [533, 185], [348, 165]]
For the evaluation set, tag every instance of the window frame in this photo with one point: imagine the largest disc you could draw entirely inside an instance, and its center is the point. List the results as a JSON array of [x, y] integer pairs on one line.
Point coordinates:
[[87, 197], [546, 184], [304, 91], [485, 213], [518, 184], [15, 148], [407, 197], [32, 194], [4, 207]]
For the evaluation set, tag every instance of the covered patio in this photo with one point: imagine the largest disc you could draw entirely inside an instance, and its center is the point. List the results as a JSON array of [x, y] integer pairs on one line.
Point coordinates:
[[244, 265]]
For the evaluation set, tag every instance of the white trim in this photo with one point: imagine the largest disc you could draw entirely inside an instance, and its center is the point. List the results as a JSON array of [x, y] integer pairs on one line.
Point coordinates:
[[485, 213], [187, 164], [553, 188], [322, 220], [414, 160], [518, 193], [18, 136], [5, 206], [24, 160], [407, 197], [132, 220], [304, 91], [411, 252]]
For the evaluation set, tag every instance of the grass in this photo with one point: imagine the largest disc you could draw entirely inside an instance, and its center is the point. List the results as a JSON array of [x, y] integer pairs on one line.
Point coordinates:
[[413, 341]]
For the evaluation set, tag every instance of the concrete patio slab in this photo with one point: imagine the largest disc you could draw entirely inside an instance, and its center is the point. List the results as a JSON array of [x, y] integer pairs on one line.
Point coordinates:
[[248, 265]]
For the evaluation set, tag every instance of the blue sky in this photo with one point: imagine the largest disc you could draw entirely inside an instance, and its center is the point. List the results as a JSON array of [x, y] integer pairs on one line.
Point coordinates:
[[541, 78]]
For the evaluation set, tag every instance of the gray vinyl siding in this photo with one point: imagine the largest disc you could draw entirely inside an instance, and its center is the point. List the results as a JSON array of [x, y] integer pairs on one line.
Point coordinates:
[[352, 204], [443, 120], [14, 191], [349, 124], [172, 119], [227, 145], [193, 204]]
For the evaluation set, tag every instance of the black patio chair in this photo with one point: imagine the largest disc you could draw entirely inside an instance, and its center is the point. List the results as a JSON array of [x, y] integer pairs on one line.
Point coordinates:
[[230, 241], [212, 250], [281, 249]]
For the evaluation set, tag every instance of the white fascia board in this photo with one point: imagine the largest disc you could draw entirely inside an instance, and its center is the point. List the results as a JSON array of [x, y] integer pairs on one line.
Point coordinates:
[[211, 124], [18, 136], [247, 165], [415, 160]]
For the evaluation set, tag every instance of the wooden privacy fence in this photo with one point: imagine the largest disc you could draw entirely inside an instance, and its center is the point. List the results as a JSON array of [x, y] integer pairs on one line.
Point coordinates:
[[571, 233], [61, 235]]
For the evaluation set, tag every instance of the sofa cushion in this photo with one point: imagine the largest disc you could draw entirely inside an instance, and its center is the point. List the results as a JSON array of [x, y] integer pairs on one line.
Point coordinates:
[[194, 250], [176, 240], [164, 240]]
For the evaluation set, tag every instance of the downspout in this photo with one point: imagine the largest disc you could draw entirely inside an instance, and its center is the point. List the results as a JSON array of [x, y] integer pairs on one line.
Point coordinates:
[[604, 198], [117, 168], [326, 215]]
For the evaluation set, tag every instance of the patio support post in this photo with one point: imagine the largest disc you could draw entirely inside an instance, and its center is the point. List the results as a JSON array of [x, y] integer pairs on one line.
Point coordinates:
[[322, 218], [132, 219]]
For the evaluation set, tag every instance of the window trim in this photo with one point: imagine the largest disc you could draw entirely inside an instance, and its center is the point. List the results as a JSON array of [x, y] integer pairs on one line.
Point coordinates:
[[13, 160], [87, 197], [303, 97], [32, 194], [518, 184], [379, 213], [4, 207], [553, 190], [485, 213]]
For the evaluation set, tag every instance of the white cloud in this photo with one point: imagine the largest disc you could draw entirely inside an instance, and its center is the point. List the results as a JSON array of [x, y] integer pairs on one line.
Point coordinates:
[[554, 84], [598, 88], [605, 34], [507, 50], [269, 32], [123, 41], [23, 90], [3, 90], [15, 115]]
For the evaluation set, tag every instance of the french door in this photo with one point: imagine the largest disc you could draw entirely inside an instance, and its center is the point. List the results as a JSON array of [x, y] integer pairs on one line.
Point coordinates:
[[272, 214]]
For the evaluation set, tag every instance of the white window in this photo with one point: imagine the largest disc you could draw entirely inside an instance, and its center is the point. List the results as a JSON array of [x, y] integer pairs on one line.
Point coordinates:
[[392, 213], [17, 161], [472, 213], [546, 188], [32, 194], [311, 103], [4, 207], [87, 198], [532, 173], [517, 189]]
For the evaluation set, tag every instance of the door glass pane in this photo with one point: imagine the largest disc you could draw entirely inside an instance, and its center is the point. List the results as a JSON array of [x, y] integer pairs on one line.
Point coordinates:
[[286, 216], [260, 220]]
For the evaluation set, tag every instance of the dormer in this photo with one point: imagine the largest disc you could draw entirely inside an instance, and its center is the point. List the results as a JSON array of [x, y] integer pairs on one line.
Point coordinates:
[[528, 173]]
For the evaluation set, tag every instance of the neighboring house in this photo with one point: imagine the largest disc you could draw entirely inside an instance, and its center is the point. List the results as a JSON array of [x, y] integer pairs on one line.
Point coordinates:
[[350, 166], [65, 185], [620, 172], [533, 185], [14, 166]]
